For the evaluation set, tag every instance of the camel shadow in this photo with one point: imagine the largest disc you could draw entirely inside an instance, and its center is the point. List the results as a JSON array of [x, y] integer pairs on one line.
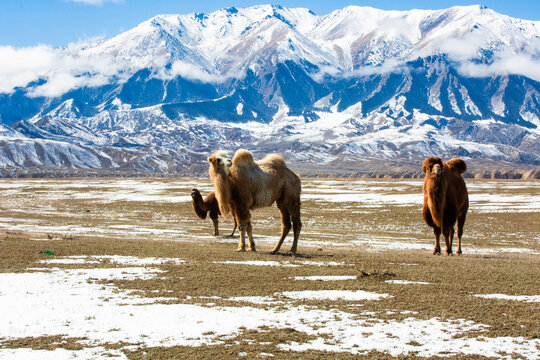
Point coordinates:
[[297, 255], [227, 237]]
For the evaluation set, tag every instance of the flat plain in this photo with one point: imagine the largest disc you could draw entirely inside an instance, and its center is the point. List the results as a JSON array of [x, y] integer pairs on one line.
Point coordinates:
[[122, 268]]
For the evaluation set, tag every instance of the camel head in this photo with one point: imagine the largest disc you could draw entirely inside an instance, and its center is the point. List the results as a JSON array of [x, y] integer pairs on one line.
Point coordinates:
[[432, 166], [195, 193], [220, 163], [219, 174]]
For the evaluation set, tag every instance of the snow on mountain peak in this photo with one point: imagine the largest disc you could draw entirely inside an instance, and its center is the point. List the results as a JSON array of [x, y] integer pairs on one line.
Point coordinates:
[[227, 42], [356, 82]]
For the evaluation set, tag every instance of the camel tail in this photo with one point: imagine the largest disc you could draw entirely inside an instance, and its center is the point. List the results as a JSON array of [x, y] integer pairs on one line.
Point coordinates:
[[457, 165]]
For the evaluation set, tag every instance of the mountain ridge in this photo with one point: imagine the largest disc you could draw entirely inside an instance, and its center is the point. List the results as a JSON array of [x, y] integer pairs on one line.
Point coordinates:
[[328, 90]]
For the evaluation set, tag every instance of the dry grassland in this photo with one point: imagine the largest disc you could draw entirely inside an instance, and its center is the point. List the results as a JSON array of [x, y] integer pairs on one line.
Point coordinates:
[[373, 240]]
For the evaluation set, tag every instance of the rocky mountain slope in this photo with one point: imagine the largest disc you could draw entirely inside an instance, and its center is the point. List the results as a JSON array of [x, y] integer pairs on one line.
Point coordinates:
[[358, 90]]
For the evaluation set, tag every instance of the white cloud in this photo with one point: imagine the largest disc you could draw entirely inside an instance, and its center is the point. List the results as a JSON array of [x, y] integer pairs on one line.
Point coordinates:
[[191, 72], [462, 49], [465, 51], [19, 67], [505, 61], [62, 70], [517, 64], [389, 66], [72, 72]]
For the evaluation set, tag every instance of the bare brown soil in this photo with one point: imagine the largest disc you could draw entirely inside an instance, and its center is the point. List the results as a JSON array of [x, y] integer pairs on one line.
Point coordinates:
[[79, 225]]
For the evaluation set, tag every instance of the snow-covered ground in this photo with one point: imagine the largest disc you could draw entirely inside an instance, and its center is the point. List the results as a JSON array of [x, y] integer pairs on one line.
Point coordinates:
[[47, 300], [38, 201], [74, 303]]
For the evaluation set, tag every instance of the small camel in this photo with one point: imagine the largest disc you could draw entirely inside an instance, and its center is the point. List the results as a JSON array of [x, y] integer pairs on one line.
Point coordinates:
[[243, 185], [445, 200], [208, 205]]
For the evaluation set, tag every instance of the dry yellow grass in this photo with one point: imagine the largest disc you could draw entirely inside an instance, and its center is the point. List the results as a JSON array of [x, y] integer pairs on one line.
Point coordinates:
[[88, 224]]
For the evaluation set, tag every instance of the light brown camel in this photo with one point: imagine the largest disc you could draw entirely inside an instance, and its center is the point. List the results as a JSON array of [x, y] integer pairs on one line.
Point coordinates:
[[208, 206], [244, 185], [445, 200]]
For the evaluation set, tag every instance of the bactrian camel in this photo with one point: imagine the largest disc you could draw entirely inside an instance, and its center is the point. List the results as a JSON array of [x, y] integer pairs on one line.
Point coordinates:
[[243, 185], [445, 200], [207, 206]]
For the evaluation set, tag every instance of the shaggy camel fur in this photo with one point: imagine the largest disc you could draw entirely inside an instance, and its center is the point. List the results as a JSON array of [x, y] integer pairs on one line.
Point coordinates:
[[208, 205], [244, 185], [445, 200]]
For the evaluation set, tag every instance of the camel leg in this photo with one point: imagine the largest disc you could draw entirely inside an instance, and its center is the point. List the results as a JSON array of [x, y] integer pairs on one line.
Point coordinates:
[[297, 226], [447, 231], [242, 225], [285, 227], [243, 218], [452, 232], [216, 227], [437, 232], [251, 246], [460, 223]]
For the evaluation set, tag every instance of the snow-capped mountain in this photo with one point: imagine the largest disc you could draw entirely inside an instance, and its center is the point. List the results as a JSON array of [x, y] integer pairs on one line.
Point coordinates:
[[338, 90]]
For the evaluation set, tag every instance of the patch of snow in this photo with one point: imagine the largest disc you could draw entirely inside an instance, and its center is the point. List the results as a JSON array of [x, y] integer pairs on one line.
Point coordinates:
[[78, 303], [404, 264], [265, 355], [524, 298], [421, 338], [326, 278], [367, 198], [487, 251], [321, 263], [407, 282], [258, 263], [263, 300], [349, 295], [114, 259], [97, 352], [497, 103], [240, 109], [70, 260]]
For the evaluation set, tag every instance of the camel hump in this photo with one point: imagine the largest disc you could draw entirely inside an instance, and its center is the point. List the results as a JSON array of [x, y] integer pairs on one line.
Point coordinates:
[[457, 165], [211, 197], [274, 160], [243, 158]]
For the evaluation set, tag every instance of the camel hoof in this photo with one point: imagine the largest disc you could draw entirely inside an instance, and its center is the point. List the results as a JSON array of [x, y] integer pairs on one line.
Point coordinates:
[[459, 253], [436, 252], [240, 250]]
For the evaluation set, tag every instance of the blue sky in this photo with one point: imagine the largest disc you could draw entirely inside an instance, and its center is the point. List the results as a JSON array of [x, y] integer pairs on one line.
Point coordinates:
[[25, 23]]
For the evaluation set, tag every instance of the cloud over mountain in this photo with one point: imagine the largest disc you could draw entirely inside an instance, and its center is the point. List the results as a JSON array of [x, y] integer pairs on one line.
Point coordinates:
[[356, 83]]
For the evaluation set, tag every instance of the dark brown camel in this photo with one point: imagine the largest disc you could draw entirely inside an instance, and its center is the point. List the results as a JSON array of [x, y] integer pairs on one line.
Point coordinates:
[[445, 200], [208, 205]]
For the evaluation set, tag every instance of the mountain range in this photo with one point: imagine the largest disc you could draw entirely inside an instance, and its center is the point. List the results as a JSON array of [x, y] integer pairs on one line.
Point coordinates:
[[357, 91]]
